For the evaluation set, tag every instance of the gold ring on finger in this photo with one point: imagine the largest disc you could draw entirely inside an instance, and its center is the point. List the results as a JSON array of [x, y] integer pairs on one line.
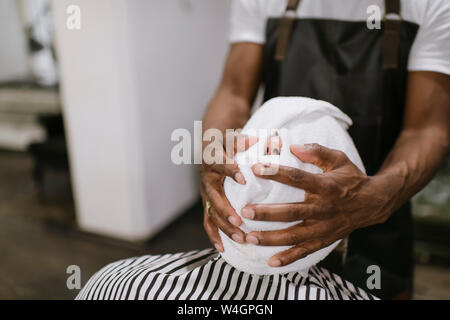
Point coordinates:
[[208, 206]]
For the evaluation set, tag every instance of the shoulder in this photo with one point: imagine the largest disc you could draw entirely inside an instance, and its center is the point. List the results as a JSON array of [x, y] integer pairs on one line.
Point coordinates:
[[417, 11], [431, 48], [425, 12]]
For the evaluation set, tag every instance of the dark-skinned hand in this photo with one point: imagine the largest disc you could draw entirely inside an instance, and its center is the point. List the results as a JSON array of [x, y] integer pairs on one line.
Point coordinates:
[[337, 202], [221, 214]]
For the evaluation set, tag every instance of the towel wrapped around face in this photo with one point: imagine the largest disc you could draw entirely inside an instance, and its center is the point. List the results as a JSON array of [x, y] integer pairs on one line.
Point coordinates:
[[297, 120]]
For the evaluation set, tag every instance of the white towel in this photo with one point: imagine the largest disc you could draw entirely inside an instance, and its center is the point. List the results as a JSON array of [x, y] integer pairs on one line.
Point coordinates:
[[298, 120]]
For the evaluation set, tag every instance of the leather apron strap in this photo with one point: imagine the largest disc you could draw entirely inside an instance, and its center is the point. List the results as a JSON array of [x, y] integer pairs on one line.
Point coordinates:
[[391, 34], [285, 29]]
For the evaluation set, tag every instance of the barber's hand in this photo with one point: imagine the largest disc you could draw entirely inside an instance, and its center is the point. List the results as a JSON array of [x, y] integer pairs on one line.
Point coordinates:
[[221, 214], [337, 202]]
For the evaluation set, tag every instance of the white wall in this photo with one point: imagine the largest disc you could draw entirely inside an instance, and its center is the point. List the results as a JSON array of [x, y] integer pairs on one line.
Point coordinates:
[[13, 46], [134, 72]]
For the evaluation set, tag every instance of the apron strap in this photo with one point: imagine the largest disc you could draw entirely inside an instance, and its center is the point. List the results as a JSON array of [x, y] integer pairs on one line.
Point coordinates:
[[285, 28], [391, 35]]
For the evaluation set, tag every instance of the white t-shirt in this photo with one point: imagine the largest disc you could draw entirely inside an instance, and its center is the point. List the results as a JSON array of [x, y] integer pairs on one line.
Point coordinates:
[[430, 50]]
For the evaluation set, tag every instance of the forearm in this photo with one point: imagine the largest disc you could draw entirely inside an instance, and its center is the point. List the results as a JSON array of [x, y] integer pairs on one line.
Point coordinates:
[[419, 150], [226, 111], [230, 107], [412, 163]]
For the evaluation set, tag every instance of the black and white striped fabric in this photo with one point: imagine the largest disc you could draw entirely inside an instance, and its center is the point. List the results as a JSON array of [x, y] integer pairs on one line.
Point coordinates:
[[204, 275]]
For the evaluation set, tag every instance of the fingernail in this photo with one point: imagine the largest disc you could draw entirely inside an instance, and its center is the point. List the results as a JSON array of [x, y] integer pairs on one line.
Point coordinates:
[[298, 147], [248, 213], [274, 262], [234, 221], [239, 177], [252, 239], [307, 146], [218, 247], [258, 169], [236, 237]]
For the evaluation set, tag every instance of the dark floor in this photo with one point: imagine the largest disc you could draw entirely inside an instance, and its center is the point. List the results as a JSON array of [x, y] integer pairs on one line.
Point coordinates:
[[39, 239]]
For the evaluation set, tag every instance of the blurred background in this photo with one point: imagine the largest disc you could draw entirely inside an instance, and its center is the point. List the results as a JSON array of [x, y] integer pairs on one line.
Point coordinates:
[[87, 108]]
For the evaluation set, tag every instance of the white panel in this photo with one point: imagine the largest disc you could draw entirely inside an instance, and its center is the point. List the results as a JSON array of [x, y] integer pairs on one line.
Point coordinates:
[[13, 45], [135, 71], [178, 63]]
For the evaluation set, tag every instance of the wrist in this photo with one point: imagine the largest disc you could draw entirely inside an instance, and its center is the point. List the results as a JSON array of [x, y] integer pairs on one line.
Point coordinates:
[[387, 189], [377, 203]]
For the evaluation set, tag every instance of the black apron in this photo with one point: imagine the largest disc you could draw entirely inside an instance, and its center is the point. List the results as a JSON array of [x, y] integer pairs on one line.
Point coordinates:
[[364, 73]]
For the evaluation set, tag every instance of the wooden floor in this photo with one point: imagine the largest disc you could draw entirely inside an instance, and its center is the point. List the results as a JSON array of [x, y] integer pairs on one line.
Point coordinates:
[[39, 240]]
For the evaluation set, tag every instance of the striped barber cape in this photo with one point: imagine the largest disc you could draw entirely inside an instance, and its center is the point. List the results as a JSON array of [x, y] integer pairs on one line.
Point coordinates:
[[204, 275]]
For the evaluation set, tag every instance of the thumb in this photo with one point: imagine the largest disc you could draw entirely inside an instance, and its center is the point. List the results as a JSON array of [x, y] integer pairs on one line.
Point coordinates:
[[325, 158]]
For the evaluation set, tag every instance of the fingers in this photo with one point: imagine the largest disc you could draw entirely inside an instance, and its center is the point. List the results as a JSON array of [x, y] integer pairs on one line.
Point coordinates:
[[229, 229], [213, 232], [286, 212], [223, 215], [230, 170], [228, 166], [212, 220], [295, 253], [290, 236], [211, 229], [325, 158], [220, 203], [288, 175]]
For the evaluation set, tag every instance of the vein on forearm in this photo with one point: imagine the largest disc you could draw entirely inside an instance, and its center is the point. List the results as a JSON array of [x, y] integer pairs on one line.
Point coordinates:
[[414, 160]]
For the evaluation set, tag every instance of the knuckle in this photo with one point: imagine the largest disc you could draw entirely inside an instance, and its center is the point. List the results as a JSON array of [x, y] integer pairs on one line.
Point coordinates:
[[260, 214], [203, 168], [213, 217], [292, 213], [331, 186], [233, 168], [317, 150], [326, 227], [295, 175], [320, 243], [308, 212], [207, 226], [310, 198], [292, 238], [326, 209], [304, 251], [315, 147], [207, 187], [203, 182], [285, 260], [341, 156]]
